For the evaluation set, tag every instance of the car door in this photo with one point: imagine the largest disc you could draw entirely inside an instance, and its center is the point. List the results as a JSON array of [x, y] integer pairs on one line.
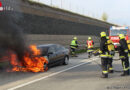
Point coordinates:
[[59, 52], [51, 54]]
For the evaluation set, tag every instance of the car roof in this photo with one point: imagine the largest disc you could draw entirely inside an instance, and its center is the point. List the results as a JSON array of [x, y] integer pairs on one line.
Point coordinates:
[[46, 45]]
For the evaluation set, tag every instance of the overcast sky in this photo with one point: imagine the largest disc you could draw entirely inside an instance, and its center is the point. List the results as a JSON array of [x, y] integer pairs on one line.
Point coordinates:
[[117, 10]]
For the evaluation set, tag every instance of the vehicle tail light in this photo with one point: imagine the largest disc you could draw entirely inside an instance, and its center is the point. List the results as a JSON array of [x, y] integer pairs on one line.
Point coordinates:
[[1, 7]]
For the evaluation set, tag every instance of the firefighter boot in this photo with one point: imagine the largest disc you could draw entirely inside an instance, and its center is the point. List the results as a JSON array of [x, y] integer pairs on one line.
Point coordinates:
[[125, 73], [111, 71], [128, 72], [89, 55], [104, 75]]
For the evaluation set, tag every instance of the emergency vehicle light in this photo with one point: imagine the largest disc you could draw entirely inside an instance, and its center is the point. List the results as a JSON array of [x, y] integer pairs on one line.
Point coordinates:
[[1, 8], [118, 28], [0, 4]]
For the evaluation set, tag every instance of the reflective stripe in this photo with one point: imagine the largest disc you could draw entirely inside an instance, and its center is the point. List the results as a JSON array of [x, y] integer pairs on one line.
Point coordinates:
[[110, 56], [102, 55], [110, 68], [104, 72], [90, 46], [126, 50], [100, 51], [73, 47], [125, 69], [89, 50], [122, 57]]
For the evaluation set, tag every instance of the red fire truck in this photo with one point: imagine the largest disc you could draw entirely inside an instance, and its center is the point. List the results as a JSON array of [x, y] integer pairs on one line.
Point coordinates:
[[115, 31]]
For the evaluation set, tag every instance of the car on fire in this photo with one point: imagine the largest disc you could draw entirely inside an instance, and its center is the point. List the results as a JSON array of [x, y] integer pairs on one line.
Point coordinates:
[[55, 54]]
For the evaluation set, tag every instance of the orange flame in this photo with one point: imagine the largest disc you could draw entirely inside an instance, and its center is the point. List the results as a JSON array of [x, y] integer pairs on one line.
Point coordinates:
[[31, 62]]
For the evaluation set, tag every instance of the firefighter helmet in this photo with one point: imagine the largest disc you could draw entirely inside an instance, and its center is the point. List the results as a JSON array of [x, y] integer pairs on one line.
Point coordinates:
[[75, 38], [89, 38], [121, 36], [103, 34]]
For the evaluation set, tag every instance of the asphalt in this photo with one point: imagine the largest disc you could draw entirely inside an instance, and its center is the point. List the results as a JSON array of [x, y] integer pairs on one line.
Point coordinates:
[[80, 74]]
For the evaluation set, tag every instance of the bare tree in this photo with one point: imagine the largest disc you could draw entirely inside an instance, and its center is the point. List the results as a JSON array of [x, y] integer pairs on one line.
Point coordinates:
[[104, 17]]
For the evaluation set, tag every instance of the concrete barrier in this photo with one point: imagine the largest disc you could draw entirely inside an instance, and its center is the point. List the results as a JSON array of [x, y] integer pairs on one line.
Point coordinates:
[[59, 39], [43, 24]]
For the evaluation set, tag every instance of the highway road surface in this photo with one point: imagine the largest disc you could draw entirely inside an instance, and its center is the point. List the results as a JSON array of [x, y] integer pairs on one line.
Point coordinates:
[[80, 74]]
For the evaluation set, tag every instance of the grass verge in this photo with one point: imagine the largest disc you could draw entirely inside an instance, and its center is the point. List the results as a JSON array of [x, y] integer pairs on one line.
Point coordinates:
[[84, 50]]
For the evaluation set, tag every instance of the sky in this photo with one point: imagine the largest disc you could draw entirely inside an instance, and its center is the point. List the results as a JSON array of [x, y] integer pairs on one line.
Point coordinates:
[[118, 11]]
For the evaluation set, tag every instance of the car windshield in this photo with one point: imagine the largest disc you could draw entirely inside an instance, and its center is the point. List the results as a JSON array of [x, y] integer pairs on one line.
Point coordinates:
[[44, 50], [117, 32]]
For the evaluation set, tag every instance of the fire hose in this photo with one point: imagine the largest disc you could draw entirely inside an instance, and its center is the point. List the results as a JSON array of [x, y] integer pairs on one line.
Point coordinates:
[[101, 65]]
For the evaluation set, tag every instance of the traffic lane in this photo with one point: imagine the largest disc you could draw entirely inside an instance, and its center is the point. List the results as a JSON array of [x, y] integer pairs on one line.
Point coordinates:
[[60, 81], [16, 78], [12, 76], [53, 74], [81, 78]]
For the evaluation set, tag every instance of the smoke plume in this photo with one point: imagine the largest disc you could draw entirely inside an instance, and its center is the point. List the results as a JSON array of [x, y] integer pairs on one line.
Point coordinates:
[[11, 34]]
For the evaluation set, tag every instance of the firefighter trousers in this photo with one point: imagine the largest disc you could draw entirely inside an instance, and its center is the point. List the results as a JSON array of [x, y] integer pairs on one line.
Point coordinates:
[[73, 51], [110, 60], [125, 63], [104, 63]]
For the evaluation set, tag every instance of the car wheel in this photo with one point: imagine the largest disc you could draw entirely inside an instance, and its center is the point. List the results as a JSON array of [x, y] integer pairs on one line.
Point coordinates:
[[45, 66], [66, 61]]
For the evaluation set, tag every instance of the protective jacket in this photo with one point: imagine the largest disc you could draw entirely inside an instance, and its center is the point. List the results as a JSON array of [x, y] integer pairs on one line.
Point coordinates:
[[110, 45], [103, 47], [123, 52], [123, 49], [74, 44], [90, 44], [128, 44]]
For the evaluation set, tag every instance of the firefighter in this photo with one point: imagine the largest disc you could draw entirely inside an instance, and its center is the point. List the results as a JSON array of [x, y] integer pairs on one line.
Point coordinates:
[[123, 52], [74, 46], [90, 45], [104, 55], [111, 52]]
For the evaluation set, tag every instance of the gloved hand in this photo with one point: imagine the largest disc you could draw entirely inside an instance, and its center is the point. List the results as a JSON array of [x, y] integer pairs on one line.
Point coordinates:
[[100, 52]]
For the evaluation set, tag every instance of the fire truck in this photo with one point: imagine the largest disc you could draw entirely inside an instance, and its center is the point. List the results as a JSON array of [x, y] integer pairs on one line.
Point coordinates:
[[115, 31]]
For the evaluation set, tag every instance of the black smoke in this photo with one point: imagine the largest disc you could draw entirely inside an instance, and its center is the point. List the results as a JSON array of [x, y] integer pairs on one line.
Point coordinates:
[[11, 34]]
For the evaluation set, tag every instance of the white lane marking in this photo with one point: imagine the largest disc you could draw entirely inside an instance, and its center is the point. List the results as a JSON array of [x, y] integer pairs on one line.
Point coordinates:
[[53, 74]]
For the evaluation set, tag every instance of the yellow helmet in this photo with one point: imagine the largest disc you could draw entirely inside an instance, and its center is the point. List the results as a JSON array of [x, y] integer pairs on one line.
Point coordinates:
[[75, 38], [121, 36], [103, 34], [89, 38], [107, 37]]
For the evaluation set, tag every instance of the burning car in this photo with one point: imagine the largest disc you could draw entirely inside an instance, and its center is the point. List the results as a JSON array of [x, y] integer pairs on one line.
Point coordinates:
[[30, 62], [55, 54], [37, 58]]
